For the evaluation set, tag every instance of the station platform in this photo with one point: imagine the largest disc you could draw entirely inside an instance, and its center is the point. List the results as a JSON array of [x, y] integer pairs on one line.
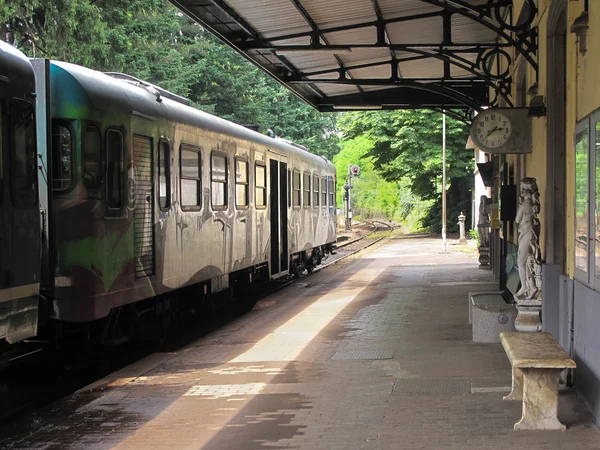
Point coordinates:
[[374, 352]]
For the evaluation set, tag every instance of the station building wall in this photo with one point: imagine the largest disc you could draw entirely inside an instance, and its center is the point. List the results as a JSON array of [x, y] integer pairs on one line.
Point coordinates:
[[571, 307]]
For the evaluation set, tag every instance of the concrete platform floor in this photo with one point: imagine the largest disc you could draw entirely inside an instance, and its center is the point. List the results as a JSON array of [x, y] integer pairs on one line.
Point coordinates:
[[374, 352]]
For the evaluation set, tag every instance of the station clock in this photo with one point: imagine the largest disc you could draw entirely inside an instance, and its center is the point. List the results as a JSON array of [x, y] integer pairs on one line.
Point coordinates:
[[502, 130]]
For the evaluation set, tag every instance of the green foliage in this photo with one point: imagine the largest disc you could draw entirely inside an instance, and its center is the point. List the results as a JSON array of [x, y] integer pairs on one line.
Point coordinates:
[[153, 41], [474, 235], [408, 145], [372, 196]]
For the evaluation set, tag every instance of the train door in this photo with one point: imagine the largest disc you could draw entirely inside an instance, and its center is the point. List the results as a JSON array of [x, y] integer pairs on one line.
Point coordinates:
[[144, 206], [278, 216]]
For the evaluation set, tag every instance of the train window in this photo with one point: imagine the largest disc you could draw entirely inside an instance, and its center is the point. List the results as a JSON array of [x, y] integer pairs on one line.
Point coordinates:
[[331, 193], [260, 172], [306, 189], [164, 175], [241, 183], [323, 192], [218, 178], [315, 191], [289, 187], [296, 194], [114, 169], [62, 156], [190, 166], [24, 154], [92, 143]]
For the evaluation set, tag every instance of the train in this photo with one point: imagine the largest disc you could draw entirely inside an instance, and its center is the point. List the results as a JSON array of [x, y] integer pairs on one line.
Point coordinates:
[[116, 194]]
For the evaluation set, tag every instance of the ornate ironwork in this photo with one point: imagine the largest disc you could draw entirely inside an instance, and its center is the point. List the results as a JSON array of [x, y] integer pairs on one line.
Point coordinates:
[[487, 63]]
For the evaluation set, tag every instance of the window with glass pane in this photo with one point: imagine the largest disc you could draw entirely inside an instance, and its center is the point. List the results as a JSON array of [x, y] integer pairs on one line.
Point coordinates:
[[260, 173], [190, 177], [323, 192], [331, 193], [91, 157], [164, 175], [289, 187], [306, 189], [24, 154], [597, 200], [219, 180], [62, 156], [581, 200], [114, 169], [241, 183], [296, 193], [315, 191]]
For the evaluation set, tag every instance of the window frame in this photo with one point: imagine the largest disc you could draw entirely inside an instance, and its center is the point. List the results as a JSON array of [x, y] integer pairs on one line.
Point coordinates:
[[296, 193], [196, 149], [243, 159], [308, 192], [17, 202], [591, 125], [169, 174], [316, 190], [113, 129], [323, 191], [96, 192], [331, 191], [74, 179], [256, 187], [225, 206]]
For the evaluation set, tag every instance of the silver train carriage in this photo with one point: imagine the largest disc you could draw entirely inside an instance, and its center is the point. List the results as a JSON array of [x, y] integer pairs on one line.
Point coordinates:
[[19, 212], [146, 195]]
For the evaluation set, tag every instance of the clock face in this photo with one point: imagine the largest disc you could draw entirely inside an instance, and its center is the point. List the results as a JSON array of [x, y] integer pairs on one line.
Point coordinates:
[[491, 129]]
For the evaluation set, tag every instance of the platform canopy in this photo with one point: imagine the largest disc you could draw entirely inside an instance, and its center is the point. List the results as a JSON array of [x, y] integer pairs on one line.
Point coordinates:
[[379, 54]]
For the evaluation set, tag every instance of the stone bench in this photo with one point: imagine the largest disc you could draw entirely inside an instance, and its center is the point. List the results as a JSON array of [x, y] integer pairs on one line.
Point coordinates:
[[491, 313], [537, 361]]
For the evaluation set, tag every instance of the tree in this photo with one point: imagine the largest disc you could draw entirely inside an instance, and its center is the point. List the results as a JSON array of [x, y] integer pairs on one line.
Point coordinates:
[[153, 41], [408, 144], [372, 196]]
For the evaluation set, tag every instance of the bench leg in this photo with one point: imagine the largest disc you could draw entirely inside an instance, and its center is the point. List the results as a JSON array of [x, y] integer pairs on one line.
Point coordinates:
[[517, 385], [540, 400]]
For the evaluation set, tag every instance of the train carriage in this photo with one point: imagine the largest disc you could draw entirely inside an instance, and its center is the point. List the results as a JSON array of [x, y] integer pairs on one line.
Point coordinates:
[[147, 195], [19, 213]]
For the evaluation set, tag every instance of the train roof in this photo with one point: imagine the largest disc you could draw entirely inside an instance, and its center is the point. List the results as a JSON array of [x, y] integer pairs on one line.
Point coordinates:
[[105, 92], [15, 67]]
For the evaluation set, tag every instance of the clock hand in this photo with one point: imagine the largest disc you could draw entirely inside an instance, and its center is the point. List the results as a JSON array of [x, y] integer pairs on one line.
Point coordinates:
[[488, 135]]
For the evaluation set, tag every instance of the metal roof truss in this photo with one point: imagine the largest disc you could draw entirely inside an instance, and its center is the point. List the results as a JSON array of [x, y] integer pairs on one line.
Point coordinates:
[[468, 68]]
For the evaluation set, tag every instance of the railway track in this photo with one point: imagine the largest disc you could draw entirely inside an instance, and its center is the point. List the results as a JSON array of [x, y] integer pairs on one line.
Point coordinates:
[[22, 390]]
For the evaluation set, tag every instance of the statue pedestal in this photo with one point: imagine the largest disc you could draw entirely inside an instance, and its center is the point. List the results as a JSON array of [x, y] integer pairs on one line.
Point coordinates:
[[529, 315], [484, 257]]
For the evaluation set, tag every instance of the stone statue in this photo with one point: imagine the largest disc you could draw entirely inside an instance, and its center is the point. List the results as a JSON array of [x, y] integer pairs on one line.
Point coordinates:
[[529, 255], [483, 222]]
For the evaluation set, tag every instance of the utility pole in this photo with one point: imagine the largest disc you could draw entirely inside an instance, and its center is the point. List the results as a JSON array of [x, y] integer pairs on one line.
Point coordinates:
[[443, 182]]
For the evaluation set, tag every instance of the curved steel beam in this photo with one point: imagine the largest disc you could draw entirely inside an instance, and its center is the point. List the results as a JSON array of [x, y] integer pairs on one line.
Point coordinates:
[[502, 86], [483, 14]]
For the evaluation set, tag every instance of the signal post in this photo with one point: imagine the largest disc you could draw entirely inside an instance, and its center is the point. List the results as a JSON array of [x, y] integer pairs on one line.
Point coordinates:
[[353, 170]]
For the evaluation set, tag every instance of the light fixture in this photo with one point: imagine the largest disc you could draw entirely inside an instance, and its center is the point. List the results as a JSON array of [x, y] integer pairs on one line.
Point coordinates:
[[537, 107], [580, 28], [357, 107], [325, 50]]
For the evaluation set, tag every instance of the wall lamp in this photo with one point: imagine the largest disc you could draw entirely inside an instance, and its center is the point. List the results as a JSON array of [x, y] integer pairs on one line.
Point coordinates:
[[537, 107], [580, 28]]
